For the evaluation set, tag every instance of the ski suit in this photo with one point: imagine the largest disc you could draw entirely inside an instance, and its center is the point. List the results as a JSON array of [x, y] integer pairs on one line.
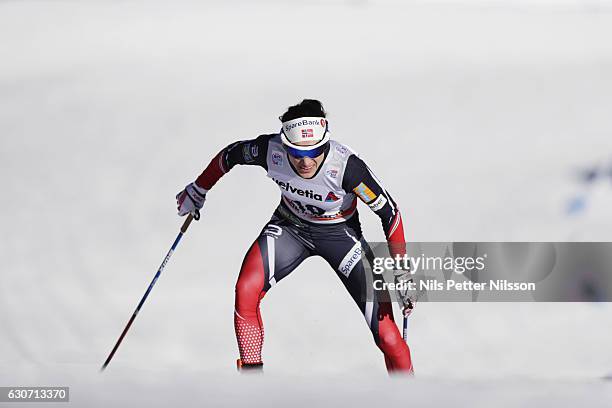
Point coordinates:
[[316, 216]]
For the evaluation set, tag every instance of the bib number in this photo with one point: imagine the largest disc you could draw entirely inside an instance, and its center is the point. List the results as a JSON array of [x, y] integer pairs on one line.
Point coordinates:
[[308, 208]]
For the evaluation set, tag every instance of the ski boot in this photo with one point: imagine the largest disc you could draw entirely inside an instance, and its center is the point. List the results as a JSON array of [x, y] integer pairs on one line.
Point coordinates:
[[249, 368]]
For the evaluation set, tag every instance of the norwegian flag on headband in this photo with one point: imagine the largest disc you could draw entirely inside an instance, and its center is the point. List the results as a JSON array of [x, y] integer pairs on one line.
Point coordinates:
[[307, 133]]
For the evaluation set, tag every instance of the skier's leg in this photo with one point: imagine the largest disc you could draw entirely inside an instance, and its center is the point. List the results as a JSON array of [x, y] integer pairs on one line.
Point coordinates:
[[273, 255], [390, 341], [247, 318], [343, 253]]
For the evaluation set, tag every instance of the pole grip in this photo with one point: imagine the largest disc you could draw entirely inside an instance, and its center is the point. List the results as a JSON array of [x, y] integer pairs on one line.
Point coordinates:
[[195, 215]]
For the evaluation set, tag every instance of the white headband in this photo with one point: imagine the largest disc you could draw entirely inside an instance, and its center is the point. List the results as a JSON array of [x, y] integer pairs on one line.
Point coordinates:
[[306, 129]]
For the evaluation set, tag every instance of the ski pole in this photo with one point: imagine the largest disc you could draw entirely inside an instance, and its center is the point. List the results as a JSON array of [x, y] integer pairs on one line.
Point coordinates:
[[190, 217], [405, 329]]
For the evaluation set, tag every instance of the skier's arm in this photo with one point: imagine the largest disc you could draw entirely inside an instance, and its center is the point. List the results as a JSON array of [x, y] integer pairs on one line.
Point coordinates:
[[249, 152], [359, 179]]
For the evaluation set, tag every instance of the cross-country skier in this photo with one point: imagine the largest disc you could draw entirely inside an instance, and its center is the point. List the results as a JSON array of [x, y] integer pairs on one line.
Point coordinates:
[[320, 180]]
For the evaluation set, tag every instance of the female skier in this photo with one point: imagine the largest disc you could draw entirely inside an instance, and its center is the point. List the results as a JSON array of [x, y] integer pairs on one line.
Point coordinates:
[[320, 180]]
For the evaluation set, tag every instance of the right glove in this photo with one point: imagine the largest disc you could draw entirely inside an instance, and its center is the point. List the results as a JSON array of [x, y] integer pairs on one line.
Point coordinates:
[[190, 199]]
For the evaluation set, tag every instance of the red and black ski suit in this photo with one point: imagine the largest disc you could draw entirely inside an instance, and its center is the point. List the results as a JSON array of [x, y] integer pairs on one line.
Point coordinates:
[[287, 239]]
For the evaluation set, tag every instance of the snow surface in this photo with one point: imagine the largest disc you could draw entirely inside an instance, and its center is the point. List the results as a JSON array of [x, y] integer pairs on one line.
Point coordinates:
[[476, 116]]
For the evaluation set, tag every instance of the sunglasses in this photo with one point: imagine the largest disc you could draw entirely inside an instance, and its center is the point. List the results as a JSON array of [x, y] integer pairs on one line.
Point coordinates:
[[310, 153]]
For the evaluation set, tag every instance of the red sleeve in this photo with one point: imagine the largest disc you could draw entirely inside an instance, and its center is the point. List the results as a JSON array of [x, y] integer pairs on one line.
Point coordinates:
[[395, 239], [213, 172]]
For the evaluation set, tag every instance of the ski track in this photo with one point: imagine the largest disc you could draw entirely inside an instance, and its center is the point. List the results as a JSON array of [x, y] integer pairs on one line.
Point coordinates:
[[482, 112]]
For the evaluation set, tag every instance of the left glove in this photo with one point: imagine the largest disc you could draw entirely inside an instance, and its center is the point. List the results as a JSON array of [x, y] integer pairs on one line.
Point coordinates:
[[190, 199], [406, 297]]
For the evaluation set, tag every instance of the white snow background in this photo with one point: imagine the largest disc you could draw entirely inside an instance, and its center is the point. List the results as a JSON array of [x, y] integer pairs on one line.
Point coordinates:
[[476, 116]]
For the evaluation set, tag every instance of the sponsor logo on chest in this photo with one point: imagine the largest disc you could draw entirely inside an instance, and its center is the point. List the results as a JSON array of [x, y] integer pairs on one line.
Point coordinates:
[[342, 150], [277, 158], [287, 186], [332, 172], [331, 197]]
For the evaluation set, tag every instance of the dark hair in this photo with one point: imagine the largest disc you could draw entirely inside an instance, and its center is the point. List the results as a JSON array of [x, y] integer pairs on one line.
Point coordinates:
[[308, 107]]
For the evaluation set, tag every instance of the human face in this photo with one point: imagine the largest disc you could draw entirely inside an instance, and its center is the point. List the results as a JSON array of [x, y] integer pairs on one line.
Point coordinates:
[[306, 167]]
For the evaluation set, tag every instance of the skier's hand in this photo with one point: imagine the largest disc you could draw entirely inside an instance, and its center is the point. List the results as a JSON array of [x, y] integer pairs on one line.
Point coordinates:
[[190, 199], [407, 298]]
